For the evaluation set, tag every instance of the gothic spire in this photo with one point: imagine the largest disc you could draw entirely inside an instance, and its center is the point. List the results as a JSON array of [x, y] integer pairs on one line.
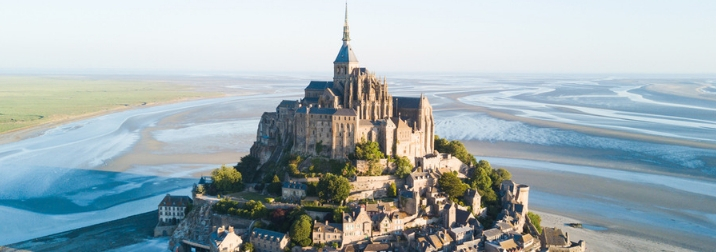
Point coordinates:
[[346, 33]]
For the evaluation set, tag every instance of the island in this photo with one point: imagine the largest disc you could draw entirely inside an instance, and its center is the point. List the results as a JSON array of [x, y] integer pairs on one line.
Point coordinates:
[[349, 167]]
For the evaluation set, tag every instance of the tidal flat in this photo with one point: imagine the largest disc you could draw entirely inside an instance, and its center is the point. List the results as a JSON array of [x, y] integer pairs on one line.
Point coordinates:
[[564, 136]]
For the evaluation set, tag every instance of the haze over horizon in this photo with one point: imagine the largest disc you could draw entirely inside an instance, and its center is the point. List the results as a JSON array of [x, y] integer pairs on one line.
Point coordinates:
[[643, 37]]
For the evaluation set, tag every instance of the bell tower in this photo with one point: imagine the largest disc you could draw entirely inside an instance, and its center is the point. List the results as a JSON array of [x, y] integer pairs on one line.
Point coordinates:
[[346, 60]]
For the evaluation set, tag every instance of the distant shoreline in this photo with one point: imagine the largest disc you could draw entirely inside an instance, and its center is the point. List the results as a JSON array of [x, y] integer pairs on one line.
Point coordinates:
[[20, 134]]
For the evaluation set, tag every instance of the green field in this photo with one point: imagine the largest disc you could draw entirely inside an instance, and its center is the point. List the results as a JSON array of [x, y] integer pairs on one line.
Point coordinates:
[[30, 101]]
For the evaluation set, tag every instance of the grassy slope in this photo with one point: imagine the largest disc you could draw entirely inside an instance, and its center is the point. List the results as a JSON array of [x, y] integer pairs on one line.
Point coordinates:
[[30, 101]]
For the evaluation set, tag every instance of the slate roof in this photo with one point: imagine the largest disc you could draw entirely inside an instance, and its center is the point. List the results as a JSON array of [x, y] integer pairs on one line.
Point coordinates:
[[310, 100], [322, 111], [287, 104], [493, 232], [554, 237], [267, 234], [180, 201], [345, 112], [508, 244], [406, 194], [504, 226], [331, 227], [470, 193], [319, 85], [406, 102], [464, 229], [462, 216], [294, 185], [345, 54], [335, 92], [437, 243], [377, 247]]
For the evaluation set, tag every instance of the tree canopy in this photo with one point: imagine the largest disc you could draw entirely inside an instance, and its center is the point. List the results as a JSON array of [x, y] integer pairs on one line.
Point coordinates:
[[499, 175], [300, 231], [248, 166], [275, 186], [332, 188], [403, 167], [455, 148], [368, 150], [392, 190], [227, 179], [536, 220], [247, 247], [452, 185]]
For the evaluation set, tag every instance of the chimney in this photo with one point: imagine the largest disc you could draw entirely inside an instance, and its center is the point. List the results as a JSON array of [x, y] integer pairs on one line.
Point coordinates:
[[326, 222], [231, 229], [567, 236], [220, 230]]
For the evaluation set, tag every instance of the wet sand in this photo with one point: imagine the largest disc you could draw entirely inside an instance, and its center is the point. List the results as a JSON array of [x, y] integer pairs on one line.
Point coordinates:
[[99, 237], [599, 240]]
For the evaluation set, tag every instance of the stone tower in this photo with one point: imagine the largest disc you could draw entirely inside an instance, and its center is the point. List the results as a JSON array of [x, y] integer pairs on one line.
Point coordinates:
[[346, 60]]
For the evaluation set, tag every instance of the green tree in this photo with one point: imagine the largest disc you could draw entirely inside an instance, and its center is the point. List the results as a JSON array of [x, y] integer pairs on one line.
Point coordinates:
[[536, 220], [481, 181], [368, 150], [403, 167], [300, 231], [455, 148], [248, 166], [452, 185], [332, 188], [349, 170], [498, 176], [392, 190], [338, 214], [200, 189], [227, 180], [247, 247], [275, 186]]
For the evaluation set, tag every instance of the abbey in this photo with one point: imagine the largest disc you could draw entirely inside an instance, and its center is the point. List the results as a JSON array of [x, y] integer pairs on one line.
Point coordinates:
[[333, 116]]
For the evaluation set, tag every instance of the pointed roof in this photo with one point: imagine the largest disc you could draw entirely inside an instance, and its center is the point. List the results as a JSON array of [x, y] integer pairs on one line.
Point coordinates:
[[345, 54], [346, 32]]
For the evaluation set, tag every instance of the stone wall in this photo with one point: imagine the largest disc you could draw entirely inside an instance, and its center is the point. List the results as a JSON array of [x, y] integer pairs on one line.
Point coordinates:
[[164, 230]]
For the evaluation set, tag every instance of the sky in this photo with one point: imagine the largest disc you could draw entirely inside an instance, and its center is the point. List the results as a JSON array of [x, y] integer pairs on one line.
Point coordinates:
[[651, 37]]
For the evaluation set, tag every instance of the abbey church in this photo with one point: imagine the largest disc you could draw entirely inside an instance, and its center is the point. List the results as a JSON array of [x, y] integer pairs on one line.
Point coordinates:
[[333, 116]]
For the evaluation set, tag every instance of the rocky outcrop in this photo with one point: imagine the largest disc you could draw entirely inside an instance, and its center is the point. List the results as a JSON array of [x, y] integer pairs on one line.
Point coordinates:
[[196, 227]]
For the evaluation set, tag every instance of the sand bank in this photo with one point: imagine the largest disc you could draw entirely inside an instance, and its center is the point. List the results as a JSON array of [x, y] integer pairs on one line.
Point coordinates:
[[604, 240]]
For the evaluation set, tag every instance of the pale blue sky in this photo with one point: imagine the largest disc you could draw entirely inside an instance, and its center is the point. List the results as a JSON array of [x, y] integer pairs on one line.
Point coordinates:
[[387, 36]]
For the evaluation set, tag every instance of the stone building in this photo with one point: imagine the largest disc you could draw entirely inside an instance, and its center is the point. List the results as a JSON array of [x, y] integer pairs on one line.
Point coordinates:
[[472, 198], [267, 240], [326, 233], [171, 212], [356, 226], [515, 202], [171, 209], [293, 191], [389, 223], [335, 115], [552, 239], [225, 240]]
